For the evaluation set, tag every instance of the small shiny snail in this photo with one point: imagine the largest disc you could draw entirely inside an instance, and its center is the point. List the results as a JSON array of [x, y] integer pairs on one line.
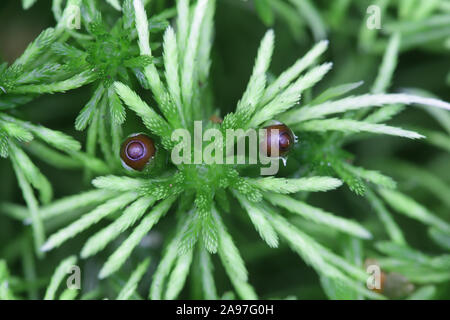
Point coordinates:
[[283, 137], [215, 119], [393, 285], [137, 151]]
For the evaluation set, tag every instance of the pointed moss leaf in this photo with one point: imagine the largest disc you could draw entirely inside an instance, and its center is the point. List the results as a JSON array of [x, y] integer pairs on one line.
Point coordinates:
[[386, 113], [142, 26], [387, 68], [27, 4], [43, 73], [32, 204], [117, 109], [372, 176], [171, 64], [229, 253], [4, 144], [437, 139], [188, 71], [358, 102], [206, 43], [178, 276], [424, 177], [87, 113], [403, 252], [307, 9], [129, 217], [88, 220], [150, 72], [131, 286], [115, 4], [16, 131], [282, 185], [210, 233], [337, 290], [255, 87], [336, 91], [440, 238], [190, 234], [208, 284], [409, 207], [300, 244], [75, 82], [32, 173], [118, 258], [233, 262], [182, 25], [9, 77], [58, 276], [22, 130], [33, 50], [118, 183], [222, 200], [247, 189], [319, 216], [66, 50], [353, 126], [294, 71], [169, 257], [290, 96], [392, 228], [128, 14], [153, 121], [353, 181], [320, 258], [139, 62], [258, 215], [72, 203], [55, 138]]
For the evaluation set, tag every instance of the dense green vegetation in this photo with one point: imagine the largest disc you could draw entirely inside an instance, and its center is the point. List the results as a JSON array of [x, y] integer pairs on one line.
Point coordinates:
[[367, 182]]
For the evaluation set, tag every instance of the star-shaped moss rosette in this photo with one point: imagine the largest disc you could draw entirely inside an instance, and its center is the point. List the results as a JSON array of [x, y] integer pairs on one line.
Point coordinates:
[[29, 76], [20, 83], [201, 191], [111, 54], [73, 59]]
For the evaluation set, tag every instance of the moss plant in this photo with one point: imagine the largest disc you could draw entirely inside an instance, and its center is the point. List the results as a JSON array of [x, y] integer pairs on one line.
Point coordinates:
[[205, 230]]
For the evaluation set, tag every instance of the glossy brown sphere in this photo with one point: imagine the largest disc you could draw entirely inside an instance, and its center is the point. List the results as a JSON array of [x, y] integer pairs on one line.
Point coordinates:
[[215, 119], [282, 136], [136, 151]]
